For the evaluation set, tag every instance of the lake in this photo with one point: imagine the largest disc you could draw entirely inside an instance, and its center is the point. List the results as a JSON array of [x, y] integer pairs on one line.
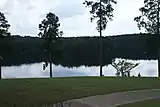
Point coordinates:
[[146, 68]]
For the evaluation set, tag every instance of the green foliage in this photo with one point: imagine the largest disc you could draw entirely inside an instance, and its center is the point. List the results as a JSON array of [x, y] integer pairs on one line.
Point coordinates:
[[77, 51], [5, 46], [49, 27], [17, 50], [105, 12], [4, 26], [4, 42], [149, 17], [1, 58], [49, 30]]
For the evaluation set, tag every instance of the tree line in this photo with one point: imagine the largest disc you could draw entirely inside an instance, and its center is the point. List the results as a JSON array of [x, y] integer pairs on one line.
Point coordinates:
[[77, 51]]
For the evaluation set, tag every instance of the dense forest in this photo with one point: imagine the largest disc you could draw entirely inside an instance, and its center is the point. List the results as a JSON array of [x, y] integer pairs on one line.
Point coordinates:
[[76, 51]]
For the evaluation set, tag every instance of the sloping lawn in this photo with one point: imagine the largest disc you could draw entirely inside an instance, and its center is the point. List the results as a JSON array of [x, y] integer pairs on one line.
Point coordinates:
[[47, 91], [147, 103]]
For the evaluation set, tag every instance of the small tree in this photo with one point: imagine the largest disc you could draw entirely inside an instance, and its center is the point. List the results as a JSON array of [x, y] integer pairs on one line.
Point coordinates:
[[123, 67], [149, 20], [4, 26], [103, 11], [49, 30]]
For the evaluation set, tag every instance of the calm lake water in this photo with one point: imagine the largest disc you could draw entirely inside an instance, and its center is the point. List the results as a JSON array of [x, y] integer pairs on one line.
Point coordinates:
[[146, 68]]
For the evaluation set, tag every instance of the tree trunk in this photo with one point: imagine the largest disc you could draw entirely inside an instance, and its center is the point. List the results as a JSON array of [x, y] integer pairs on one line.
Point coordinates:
[[159, 61], [118, 74], [122, 74], [101, 72], [50, 61], [128, 73], [158, 39], [0, 71], [158, 67]]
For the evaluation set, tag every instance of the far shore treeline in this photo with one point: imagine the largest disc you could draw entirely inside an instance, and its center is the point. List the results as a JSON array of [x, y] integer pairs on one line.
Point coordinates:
[[77, 51]]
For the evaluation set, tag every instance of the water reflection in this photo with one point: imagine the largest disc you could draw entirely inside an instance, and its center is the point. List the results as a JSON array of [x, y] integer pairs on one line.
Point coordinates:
[[146, 68]]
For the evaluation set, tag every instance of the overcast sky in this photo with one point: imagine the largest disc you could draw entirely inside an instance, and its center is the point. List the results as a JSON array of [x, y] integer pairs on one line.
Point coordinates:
[[25, 15]]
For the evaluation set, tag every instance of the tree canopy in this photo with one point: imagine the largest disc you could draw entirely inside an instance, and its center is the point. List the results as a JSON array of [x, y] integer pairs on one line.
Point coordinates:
[[101, 8], [149, 16], [4, 26]]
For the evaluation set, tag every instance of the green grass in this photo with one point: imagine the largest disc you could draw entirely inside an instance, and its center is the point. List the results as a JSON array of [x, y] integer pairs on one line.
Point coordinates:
[[47, 91], [146, 103]]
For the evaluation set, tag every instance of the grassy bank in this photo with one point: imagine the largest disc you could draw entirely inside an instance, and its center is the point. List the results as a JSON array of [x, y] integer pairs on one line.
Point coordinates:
[[47, 91], [147, 103]]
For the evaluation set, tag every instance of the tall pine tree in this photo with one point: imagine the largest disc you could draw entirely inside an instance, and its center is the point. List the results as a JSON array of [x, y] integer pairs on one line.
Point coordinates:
[[4, 26], [103, 11], [149, 20]]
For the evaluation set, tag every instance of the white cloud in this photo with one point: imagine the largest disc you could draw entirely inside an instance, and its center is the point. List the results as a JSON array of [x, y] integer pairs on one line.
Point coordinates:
[[69, 9], [25, 15]]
